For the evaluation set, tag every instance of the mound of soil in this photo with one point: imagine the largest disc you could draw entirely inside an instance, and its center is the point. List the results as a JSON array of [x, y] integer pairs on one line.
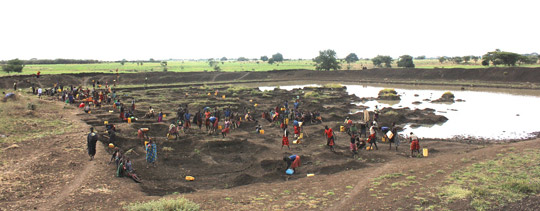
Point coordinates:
[[447, 97]]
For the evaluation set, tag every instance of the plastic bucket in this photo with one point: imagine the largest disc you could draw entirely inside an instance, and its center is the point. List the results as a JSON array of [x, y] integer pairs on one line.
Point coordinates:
[[289, 172]]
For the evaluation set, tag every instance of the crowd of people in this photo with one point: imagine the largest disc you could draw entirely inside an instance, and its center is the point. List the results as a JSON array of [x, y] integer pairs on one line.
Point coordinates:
[[365, 133]]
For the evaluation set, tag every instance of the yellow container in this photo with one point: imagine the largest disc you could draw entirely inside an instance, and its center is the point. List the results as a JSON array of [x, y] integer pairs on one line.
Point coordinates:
[[145, 143], [261, 131], [301, 136], [369, 148], [223, 96], [110, 111], [164, 115], [384, 139], [129, 120], [190, 178], [89, 112], [342, 128], [310, 175], [111, 145], [255, 105], [106, 122], [209, 94], [250, 101], [287, 121], [426, 153], [282, 109], [219, 127]]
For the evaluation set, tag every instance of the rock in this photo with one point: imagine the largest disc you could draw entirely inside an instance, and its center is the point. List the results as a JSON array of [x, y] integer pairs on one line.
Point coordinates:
[[416, 102], [416, 95]]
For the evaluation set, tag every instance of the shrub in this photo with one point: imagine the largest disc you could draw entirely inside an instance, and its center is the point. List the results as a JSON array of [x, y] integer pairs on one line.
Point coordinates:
[[387, 92], [333, 86], [163, 205]]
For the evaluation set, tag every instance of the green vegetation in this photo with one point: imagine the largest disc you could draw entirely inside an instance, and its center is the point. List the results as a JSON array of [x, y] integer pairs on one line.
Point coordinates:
[[164, 205], [405, 61], [379, 60], [387, 93], [226, 66], [495, 182], [333, 86], [326, 60], [14, 65]]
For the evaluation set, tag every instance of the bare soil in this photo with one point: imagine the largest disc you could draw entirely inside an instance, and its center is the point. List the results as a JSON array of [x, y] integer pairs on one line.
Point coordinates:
[[243, 171]]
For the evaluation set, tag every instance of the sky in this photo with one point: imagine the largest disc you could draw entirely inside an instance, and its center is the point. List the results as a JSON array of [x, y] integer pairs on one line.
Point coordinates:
[[139, 30]]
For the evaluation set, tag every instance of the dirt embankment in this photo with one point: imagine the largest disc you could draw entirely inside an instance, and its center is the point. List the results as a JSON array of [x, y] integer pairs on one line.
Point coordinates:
[[490, 77]]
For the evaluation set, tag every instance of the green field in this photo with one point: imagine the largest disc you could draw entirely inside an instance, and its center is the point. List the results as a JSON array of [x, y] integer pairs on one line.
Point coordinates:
[[179, 66]]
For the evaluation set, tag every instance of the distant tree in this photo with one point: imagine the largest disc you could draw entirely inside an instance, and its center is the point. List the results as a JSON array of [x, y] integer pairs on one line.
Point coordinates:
[[405, 61], [212, 63], [242, 59], [527, 59], [164, 65], [475, 58], [123, 61], [223, 58], [277, 57], [217, 68], [379, 60], [457, 59], [14, 65], [264, 58], [485, 62], [499, 57], [466, 59], [421, 57], [271, 61], [151, 60], [326, 60], [351, 58], [442, 59]]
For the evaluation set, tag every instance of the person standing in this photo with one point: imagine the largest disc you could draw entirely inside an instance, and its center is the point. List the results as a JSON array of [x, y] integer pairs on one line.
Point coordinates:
[[285, 140], [151, 153], [330, 137], [91, 141], [394, 139], [373, 137]]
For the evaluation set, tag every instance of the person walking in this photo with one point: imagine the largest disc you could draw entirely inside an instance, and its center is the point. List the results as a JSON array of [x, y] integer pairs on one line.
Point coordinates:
[[329, 137], [91, 141]]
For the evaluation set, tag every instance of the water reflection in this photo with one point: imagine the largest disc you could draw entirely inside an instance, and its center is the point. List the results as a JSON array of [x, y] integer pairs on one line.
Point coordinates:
[[482, 114]]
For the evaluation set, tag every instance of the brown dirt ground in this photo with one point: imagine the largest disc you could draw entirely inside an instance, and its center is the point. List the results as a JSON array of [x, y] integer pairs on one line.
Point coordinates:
[[54, 173]]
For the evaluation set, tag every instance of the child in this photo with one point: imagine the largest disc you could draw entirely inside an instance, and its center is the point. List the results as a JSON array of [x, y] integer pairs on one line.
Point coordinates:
[[353, 146]]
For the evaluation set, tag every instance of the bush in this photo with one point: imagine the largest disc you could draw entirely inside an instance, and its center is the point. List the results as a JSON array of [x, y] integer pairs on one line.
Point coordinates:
[[387, 92], [333, 86], [163, 205]]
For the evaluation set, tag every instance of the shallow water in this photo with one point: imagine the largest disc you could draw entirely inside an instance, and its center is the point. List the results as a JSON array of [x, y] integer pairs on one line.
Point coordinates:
[[488, 114]]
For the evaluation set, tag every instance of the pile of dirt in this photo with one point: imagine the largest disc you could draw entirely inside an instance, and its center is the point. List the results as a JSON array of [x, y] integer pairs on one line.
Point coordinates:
[[447, 97]]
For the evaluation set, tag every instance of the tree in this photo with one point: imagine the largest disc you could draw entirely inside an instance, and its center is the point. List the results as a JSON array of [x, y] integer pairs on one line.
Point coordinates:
[[271, 61], [457, 59], [164, 65], [326, 60], [351, 58], [405, 61], [498, 57], [123, 62], [475, 58], [212, 63], [277, 57], [379, 60], [264, 58], [527, 59], [223, 58], [442, 59], [242, 59], [151, 60], [421, 57], [466, 59], [14, 65]]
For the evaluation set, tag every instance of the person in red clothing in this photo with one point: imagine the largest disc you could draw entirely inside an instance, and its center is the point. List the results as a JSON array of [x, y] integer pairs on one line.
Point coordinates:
[[330, 137], [285, 141], [415, 144]]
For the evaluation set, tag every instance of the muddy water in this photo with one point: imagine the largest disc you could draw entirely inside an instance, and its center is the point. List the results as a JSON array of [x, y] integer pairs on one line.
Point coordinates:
[[485, 113]]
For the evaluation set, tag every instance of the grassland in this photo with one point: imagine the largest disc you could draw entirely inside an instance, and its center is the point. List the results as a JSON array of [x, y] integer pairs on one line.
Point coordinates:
[[180, 66]]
